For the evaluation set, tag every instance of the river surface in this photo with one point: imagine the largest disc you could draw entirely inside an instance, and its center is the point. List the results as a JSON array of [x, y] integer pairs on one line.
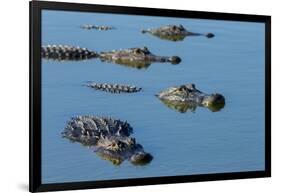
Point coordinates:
[[194, 142]]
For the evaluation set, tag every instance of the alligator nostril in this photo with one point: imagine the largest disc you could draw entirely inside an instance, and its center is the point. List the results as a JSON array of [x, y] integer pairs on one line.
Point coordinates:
[[217, 99], [175, 60], [141, 158], [210, 35]]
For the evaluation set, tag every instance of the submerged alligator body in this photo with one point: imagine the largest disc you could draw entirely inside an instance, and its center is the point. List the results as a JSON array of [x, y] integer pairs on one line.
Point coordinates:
[[97, 27], [114, 88], [174, 33], [181, 107], [66, 52], [110, 139], [136, 57], [187, 97]]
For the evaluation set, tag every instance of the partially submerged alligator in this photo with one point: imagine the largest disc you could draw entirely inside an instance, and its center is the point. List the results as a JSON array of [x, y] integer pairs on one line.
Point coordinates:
[[136, 57], [174, 33], [66, 52], [97, 27], [110, 139], [113, 88], [187, 97]]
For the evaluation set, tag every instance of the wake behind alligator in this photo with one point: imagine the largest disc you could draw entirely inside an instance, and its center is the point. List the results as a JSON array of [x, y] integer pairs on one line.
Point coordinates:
[[66, 53], [114, 88], [187, 97], [174, 33], [110, 139]]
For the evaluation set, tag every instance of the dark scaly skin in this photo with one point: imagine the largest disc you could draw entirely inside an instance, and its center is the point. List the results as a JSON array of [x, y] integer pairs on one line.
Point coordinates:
[[136, 57], [114, 88], [174, 33], [187, 97], [110, 139], [66, 52], [96, 27]]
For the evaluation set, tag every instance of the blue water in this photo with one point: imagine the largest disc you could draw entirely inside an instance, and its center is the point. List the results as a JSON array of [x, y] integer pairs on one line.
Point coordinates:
[[200, 142]]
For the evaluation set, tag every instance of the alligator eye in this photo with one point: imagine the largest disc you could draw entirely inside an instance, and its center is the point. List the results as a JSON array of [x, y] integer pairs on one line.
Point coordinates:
[[138, 51], [114, 144], [182, 88]]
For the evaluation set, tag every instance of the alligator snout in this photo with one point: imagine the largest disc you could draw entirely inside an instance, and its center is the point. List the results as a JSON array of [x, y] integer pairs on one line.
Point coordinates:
[[213, 100], [141, 158], [210, 35], [175, 60], [218, 98]]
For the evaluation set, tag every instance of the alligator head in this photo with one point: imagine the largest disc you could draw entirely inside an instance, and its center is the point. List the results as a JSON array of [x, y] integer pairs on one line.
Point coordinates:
[[110, 139], [174, 33], [118, 149], [187, 97], [136, 57]]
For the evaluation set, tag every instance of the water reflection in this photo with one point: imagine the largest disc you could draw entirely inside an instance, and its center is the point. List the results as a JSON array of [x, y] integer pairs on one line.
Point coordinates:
[[183, 107]]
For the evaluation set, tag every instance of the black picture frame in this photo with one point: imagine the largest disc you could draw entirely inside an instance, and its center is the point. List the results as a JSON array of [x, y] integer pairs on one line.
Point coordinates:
[[36, 7]]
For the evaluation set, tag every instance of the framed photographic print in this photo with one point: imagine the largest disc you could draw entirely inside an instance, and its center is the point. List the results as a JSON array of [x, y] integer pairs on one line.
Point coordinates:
[[125, 96]]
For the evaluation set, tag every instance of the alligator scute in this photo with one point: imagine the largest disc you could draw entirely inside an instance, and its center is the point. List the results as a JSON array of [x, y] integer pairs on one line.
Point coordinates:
[[114, 88], [66, 52], [96, 27]]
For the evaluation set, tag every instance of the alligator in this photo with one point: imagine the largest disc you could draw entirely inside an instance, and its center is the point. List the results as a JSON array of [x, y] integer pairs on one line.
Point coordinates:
[[97, 27], [187, 97], [174, 33], [109, 138], [114, 88], [66, 52], [136, 57]]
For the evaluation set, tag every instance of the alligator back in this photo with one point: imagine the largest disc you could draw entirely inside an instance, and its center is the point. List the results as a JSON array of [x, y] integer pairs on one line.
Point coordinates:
[[114, 88], [88, 130], [97, 27], [65, 52]]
